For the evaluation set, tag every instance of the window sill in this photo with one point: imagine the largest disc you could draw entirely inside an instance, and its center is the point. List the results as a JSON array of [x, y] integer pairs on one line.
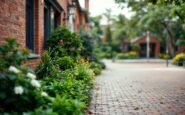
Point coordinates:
[[33, 56]]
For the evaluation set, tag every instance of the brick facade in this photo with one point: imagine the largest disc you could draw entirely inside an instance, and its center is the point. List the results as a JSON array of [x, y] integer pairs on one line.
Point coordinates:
[[38, 26], [181, 49], [13, 21]]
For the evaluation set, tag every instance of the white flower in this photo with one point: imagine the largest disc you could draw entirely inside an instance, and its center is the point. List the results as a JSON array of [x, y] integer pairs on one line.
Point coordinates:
[[14, 69], [35, 83], [30, 75], [18, 90], [44, 94]]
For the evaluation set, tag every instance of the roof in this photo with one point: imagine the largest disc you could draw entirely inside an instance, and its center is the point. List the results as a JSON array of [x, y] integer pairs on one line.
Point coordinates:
[[143, 39]]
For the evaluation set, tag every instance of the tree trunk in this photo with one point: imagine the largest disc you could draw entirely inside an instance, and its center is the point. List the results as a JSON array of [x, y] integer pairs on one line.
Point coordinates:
[[171, 42]]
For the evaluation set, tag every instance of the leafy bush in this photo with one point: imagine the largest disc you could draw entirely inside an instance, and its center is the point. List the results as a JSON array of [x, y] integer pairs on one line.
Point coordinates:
[[97, 68], [83, 71], [47, 67], [76, 84], [88, 44], [129, 55], [65, 106], [64, 43], [65, 62], [163, 56], [135, 47], [179, 59], [105, 51], [19, 91], [10, 54], [60, 106]]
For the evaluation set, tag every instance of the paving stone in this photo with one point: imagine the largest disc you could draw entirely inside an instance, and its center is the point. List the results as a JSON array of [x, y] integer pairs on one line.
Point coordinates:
[[139, 89]]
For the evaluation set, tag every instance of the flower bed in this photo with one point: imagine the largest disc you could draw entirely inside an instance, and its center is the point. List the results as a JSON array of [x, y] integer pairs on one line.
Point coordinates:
[[61, 84]]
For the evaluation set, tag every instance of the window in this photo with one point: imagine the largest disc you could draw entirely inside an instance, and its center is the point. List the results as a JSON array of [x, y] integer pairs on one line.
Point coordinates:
[[30, 24], [51, 13]]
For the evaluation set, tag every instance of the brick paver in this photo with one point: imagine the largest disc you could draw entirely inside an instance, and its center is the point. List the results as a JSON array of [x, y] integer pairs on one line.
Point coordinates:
[[139, 89]]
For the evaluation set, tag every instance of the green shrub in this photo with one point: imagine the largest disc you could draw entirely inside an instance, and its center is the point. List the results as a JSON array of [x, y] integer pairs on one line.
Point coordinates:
[[122, 56], [179, 59], [41, 111], [18, 92], [64, 43], [21, 93], [65, 62], [47, 67], [129, 55], [19, 89], [65, 106], [163, 56], [88, 44], [96, 68], [83, 72], [135, 47], [70, 87], [10, 54]]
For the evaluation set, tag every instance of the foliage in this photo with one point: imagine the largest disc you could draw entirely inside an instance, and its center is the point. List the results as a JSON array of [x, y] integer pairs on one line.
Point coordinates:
[[47, 67], [163, 56], [129, 55], [104, 51], [19, 89], [108, 34], [84, 73], [96, 68], [135, 47], [96, 30], [68, 90], [179, 59], [65, 106], [10, 54], [19, 93], [65, 73], [88, 45], [65, 62], [163, 18], [64, 43], [73, 83]]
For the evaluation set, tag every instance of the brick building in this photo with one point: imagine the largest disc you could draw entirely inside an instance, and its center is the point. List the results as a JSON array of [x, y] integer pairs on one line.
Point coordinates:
[[32, 21], [154, 46]]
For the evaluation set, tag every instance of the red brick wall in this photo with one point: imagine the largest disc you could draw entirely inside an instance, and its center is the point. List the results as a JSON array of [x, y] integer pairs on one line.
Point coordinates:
[[39, 26], [77, 20], [33, 63], [181, 49], [12, 20], [63, 18]]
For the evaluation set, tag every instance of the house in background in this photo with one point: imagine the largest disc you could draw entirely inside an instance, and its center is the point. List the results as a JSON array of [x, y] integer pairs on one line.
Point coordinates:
[[32, 21], [154, 49]]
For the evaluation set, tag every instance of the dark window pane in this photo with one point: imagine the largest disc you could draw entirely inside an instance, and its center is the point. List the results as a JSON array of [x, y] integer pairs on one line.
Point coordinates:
[[30, 24]]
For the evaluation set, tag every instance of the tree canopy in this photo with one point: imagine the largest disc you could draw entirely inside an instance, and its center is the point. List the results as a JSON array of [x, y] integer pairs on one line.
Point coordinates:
[[156, 16]]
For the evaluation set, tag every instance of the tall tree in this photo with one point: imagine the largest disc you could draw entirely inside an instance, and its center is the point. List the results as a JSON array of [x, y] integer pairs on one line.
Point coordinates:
[[157, 16], [108, 32]]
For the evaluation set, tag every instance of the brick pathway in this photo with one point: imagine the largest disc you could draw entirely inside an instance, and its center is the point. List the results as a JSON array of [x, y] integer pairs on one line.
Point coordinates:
[[139, 89]]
